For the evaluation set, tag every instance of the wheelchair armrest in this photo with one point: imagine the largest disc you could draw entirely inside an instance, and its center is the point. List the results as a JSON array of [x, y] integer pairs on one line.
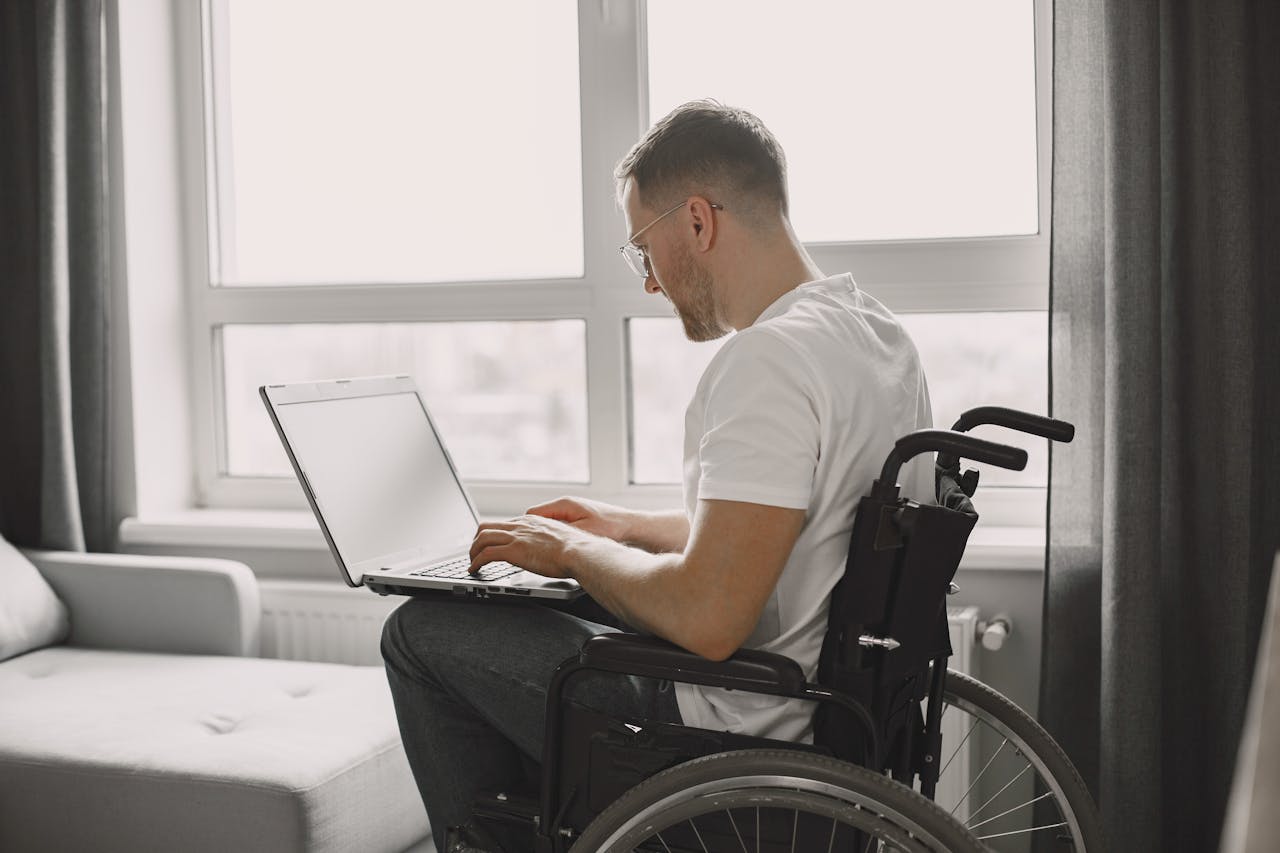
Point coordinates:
[[748, 669]]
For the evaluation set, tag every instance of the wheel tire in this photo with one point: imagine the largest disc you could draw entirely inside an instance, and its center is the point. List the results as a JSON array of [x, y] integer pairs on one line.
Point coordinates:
[[799, 780], [1053, 765]]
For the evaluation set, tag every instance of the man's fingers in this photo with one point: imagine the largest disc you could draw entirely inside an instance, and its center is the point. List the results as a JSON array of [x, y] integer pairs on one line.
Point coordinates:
[[496, 525], [490, 546], [567, 510], [488, 538], [545, 509], [486, 555]]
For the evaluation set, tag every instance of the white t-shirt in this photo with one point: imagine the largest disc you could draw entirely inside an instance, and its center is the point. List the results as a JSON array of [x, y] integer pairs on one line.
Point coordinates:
[[799, 410]]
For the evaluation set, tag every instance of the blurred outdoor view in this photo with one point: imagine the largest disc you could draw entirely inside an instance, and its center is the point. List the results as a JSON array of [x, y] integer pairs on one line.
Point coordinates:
[[917, 121], [368, 157], [970, 359], [509, 398], [394, 128]]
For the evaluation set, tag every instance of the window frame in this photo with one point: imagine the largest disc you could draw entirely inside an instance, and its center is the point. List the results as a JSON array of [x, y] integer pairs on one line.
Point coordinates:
[[954, 274]]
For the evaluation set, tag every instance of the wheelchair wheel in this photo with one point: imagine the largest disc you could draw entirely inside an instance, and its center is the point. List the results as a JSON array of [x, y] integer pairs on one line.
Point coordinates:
[[772, 801], [1023, 786]]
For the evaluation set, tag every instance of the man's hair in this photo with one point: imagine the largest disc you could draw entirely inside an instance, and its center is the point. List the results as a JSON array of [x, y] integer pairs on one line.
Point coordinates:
[[707, 148]]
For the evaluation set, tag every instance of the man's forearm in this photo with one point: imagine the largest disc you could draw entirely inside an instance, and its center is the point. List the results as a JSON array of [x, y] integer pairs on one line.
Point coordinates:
[[662, 532], [650, 592], [706, 598]]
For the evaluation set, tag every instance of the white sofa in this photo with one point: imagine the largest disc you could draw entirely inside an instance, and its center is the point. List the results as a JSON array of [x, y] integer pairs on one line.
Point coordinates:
[[140, 719]]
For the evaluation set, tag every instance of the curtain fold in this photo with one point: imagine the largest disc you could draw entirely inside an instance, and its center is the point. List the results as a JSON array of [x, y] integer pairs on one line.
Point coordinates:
[[55, 448], [1164, 322]]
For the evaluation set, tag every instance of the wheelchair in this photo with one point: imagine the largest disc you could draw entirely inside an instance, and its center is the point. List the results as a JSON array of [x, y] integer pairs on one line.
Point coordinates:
[[882, 699]]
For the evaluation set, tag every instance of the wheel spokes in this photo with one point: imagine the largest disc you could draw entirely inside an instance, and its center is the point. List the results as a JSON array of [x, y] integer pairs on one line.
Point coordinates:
[[978, 778], [1023, 831], [959, 746], [734, 824], [980, 809], [1011, 811], [698, 835]]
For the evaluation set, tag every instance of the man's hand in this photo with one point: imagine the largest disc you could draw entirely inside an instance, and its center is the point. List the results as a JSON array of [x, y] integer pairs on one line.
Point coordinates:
[[532, 542], [657, 532], [602, 519]]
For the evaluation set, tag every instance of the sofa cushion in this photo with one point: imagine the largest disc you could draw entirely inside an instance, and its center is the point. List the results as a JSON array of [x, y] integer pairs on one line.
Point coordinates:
[[179, 752], [31, 616]]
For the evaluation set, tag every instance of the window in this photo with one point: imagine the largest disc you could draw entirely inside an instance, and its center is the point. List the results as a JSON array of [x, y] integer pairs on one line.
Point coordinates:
[[388, 146], [426, 188]]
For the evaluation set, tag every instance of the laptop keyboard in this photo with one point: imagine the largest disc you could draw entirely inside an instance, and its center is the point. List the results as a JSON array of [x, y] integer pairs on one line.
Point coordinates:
[[459, 569]]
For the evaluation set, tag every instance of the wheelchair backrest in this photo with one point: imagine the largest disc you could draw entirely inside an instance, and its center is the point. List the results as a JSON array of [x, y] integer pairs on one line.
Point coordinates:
[[887, 618], [887, 622]]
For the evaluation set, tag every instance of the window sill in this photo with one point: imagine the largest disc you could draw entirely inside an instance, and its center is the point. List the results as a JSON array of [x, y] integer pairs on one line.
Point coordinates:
[[225, 528], [213, 530]]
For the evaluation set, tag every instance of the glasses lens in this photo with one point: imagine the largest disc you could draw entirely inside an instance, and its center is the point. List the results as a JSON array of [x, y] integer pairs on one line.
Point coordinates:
[[636, 260]]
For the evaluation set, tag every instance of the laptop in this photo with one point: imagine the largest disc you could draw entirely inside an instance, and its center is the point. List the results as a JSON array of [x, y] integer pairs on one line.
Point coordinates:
[[385, 492]]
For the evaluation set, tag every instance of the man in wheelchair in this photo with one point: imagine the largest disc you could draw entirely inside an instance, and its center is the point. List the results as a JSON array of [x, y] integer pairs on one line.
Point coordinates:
[[786, 431]]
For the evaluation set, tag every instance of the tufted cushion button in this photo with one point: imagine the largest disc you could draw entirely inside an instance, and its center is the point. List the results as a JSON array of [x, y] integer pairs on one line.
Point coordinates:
[[220, 724]]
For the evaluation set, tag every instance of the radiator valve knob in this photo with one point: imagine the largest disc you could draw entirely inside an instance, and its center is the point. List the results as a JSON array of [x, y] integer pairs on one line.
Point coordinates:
[[994, 633]]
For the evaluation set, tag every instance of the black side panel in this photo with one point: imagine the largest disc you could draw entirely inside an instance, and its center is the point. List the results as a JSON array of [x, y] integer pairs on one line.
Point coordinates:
[[602, 757]]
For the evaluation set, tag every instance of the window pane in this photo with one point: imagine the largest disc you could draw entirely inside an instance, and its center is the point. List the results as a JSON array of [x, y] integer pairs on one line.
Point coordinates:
[[900, 120], [665, 369], [970, 359], [509, 397], [395, 140], [981, 359]]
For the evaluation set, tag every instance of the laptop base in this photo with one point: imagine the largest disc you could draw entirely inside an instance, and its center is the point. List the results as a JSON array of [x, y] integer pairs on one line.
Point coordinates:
[[472, 591]]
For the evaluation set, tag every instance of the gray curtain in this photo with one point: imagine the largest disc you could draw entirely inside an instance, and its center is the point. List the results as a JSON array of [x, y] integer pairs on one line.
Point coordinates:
[[1165, 351], [55, 472]]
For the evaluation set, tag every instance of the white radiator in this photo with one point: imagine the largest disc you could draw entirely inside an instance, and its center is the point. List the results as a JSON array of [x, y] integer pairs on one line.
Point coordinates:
[[963, 624], [304, 620]]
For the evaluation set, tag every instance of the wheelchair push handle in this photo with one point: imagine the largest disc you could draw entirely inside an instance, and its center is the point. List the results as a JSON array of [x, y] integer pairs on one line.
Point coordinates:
[[955, 443], [1050, 428]]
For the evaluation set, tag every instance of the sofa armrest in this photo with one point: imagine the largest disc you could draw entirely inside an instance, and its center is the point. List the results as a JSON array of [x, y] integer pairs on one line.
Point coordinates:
[[182, 605]]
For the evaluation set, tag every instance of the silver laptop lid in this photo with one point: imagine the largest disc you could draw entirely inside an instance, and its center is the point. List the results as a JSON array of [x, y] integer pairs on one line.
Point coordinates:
[[374, 467]]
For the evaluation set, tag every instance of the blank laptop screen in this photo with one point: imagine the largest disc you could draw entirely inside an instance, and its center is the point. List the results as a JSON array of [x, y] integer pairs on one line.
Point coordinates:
[[379, 475]]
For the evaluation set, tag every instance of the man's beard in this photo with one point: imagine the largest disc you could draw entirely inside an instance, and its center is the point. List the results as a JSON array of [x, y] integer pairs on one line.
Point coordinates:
[[698, 309]]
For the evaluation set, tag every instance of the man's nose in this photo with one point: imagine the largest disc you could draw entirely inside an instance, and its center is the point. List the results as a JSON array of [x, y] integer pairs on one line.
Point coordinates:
[[651, 284]]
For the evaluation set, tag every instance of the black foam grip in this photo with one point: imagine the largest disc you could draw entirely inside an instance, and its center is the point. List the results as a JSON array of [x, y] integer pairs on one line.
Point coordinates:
[[1050, 428], [959, 444]]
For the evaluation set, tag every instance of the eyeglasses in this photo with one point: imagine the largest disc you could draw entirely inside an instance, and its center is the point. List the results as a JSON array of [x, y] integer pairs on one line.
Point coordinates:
[[638, 258]]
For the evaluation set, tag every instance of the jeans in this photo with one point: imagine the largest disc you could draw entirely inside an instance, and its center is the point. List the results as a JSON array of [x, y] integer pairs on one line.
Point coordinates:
[[470, 679]]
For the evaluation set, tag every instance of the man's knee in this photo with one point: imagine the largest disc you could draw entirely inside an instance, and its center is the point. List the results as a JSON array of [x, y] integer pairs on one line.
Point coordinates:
[[427, 632], [405, 635], [395, 651]]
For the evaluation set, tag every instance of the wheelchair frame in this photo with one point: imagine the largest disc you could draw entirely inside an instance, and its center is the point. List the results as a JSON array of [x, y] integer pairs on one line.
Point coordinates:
[[885, 740]]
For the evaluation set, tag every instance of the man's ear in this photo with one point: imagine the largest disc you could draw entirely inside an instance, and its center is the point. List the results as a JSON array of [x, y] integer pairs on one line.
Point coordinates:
[[703, 218]]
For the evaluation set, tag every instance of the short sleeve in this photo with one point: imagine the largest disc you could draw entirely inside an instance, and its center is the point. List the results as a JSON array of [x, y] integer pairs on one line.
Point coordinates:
[[760, 438]]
